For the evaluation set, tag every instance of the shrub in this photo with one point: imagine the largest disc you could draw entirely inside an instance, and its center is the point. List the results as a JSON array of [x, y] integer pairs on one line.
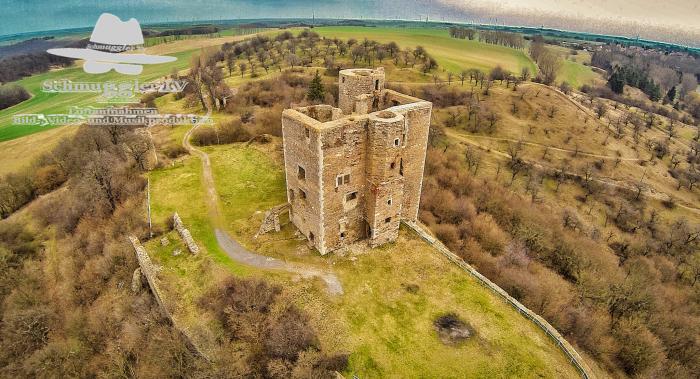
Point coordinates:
[[229, 132], [11, 94], [174, 150]]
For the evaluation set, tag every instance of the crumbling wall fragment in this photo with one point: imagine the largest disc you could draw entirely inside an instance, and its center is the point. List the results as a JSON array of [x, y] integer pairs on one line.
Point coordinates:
[[185, 234]]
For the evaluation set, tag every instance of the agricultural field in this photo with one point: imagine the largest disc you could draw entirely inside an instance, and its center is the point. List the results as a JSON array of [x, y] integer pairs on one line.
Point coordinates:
[[49, 103], [451, 54], [575, 69]]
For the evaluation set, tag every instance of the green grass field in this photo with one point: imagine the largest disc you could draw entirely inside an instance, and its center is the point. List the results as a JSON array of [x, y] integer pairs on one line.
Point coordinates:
[[387, 330], [58, 103], [576, 74], [451, 54], [50, 103]]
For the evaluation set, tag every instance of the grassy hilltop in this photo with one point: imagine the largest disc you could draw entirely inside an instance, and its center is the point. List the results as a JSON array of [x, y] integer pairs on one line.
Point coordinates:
[[566, 200]]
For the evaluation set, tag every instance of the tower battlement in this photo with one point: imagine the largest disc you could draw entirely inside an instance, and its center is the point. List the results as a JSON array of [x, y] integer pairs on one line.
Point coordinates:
[[356, 171]]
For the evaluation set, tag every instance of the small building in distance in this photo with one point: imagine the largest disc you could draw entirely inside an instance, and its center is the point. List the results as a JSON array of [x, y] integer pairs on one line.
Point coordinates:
[[356, 171]]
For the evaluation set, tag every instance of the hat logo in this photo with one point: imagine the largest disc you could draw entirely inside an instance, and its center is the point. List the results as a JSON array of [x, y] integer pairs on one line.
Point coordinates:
[[110, 47]]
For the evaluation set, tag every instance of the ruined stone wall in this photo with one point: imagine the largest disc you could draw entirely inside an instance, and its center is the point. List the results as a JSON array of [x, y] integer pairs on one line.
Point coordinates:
[[362, 171], [391, 98], [185, 234], [302, 149], [344, 144], [321, 113]]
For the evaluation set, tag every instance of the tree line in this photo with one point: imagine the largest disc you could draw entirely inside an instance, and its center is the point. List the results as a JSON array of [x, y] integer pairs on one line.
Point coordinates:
[[669, 77], [11, 94], [629, 75], [548, 61], [19, 66], [495, 37]]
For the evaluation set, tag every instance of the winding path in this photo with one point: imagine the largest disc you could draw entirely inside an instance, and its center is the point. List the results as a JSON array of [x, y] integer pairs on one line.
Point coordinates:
[[234, 249]]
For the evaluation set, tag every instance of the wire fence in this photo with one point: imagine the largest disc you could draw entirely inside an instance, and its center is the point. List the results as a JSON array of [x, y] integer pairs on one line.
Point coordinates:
[[561, 342]]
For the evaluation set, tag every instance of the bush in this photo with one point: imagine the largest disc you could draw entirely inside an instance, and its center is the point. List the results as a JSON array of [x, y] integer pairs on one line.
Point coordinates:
[[174, 150], [12, 94], [48, 178], [276, 335], [230, 132]]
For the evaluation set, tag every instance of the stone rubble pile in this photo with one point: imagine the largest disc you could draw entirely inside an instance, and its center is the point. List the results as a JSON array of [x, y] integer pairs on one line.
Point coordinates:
[[272, 219]]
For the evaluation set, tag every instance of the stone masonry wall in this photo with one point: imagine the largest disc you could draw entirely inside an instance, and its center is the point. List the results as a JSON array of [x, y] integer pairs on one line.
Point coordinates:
[[301, 139], [362, 171], [412, 163], [385, 183], [355, 82], [342, 146]]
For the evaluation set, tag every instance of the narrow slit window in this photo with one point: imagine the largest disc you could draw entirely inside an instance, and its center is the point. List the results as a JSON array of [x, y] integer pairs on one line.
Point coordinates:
[[351, 196], [307, 133], [397, 142], [346, 179], [376, 85], [302, 194], [301, 173], [387, 220]]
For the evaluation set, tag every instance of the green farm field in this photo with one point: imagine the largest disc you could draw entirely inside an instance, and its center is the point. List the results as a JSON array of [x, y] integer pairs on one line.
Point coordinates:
[[451, 54], [50, 103]]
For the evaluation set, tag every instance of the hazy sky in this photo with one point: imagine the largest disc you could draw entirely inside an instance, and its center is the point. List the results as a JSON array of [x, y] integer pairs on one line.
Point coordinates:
[[678, 13], [649, 18], [669, 20]]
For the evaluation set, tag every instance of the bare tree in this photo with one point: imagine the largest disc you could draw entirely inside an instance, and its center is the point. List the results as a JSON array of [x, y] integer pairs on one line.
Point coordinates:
[[473, 159], [463, 76]]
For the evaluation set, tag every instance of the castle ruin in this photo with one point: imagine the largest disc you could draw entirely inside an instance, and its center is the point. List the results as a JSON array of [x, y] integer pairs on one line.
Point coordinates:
[[356, 171]]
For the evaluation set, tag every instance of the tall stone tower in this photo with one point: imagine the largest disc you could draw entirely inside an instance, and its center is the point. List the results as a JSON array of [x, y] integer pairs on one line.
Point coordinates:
[[355, 172]]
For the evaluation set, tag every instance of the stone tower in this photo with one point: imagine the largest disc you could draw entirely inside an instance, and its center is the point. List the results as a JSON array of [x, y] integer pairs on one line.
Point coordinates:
[[354, 83], [355, 172]]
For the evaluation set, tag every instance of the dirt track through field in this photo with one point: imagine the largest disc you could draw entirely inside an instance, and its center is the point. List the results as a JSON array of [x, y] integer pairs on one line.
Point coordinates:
[[235, 250]]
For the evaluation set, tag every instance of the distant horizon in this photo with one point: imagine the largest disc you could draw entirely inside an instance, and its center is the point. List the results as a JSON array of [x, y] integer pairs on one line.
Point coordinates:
[[570, 15], [88, 29]]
